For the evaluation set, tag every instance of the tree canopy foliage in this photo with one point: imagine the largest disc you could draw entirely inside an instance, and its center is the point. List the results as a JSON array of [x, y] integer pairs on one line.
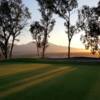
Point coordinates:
[[63, 8], [13, 18], [47, 22], [89, 21], [37, 31]]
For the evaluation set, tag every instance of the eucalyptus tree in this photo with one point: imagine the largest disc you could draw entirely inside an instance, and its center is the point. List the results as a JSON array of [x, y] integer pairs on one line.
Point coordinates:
[[13, 18], [89, 22], [64, 9], [37, 31], [47, 22], [19, 14], [4, 27]]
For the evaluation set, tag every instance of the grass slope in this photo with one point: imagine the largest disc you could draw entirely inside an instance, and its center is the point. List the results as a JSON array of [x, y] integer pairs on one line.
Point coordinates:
[[27, 79]]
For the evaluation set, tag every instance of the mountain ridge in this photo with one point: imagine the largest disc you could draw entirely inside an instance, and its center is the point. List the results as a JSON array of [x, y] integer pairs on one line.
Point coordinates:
[[53, 51]]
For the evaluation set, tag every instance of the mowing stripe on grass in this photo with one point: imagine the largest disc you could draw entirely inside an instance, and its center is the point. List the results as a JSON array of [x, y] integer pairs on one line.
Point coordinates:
[[36, 76], [37, 80], [14, 80], [14, 69]]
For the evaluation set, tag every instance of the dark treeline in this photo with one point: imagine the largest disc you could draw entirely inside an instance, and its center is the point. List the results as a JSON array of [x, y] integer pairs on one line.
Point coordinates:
[[14, 16]]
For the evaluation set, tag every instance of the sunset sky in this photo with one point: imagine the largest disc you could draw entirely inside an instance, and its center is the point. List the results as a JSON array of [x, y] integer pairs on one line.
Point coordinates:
[[58, 35]]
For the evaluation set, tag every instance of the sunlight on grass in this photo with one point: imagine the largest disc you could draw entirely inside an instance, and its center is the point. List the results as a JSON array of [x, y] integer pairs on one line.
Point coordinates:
[[34, 80], [14, 69], [49, 81]]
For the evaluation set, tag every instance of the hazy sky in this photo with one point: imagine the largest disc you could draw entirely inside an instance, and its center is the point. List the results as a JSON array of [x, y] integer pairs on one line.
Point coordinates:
[[58, 35]]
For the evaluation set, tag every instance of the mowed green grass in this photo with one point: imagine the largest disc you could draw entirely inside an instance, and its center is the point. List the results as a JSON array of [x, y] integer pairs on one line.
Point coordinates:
[[49, 81]]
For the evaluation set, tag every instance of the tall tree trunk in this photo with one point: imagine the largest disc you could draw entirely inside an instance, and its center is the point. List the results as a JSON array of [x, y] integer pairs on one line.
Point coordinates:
[[43, 51], [2, 51], [6, 50], [11, 50], [69, 49], [44, 45], [6, 55], [37, 50], [69, 40]]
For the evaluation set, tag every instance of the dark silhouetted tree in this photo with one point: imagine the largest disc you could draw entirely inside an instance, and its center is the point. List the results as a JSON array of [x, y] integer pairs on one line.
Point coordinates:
[[90, 24], [97, 9], [64, 9], [37, 31], [47, 22], [4, 27], [13, 19]]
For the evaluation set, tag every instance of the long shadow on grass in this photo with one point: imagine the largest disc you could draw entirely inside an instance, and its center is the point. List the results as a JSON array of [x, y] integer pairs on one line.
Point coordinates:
[[10, 80], [73, 86], [36, 80]]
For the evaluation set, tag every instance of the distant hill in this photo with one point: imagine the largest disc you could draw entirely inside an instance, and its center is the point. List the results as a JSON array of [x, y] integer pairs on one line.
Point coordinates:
[[29, 50], [53, 51]]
